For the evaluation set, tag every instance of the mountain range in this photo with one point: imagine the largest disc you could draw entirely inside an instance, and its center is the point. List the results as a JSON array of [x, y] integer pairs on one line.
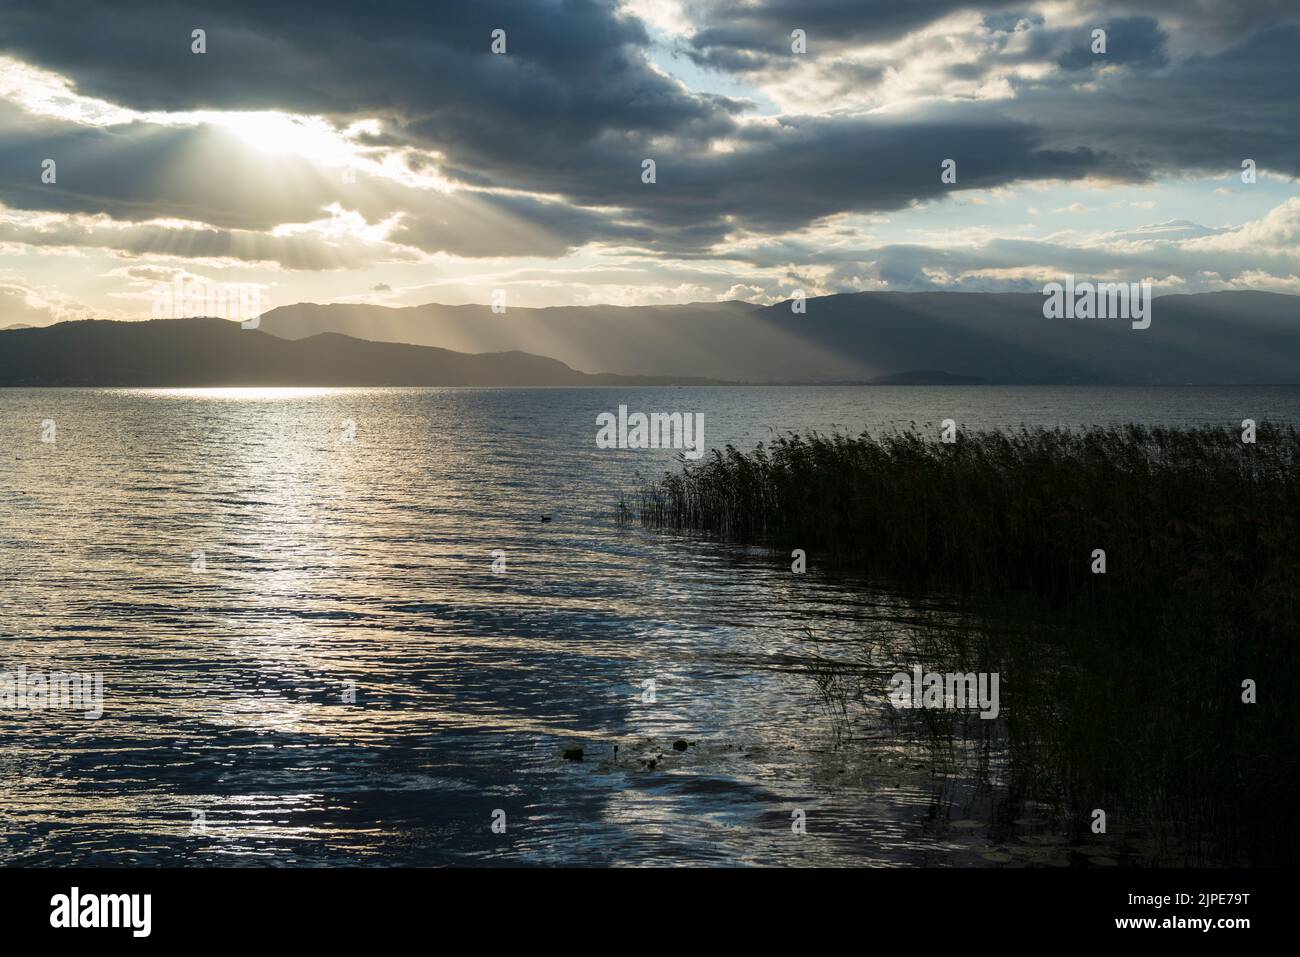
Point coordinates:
[[214, 352], [1221, 337], [1240, 337]]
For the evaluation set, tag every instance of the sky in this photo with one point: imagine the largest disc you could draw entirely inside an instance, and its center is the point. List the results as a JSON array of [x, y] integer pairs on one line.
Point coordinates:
[[382, 152]]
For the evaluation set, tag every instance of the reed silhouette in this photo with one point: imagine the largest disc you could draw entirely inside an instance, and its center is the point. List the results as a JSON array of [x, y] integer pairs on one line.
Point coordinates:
[[1123, 690]]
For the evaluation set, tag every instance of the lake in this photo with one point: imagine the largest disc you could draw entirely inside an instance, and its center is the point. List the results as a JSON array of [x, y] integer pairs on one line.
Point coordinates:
[[309, 658]]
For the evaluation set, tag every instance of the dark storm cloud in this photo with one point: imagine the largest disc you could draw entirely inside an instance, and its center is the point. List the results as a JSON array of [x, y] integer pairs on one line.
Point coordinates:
[[572, 69], [786, 175], [762, 29], [1227, 95], [576, 105], [1135, 40], [796, 173], [1203, 114]]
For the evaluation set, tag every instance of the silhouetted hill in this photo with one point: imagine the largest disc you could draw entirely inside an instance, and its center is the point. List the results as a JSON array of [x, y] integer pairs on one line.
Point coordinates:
[[214, 352], [611, 338], [1222, 337]]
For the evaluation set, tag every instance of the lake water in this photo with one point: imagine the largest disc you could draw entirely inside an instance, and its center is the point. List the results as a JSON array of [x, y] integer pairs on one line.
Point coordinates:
[[308, 657]]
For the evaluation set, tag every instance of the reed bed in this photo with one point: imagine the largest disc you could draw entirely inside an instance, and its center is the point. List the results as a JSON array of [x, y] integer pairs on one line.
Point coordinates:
[[993, 510], [1137, 705]]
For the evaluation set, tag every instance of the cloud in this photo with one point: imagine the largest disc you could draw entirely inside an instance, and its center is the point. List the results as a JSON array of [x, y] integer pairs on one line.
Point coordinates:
[[576, 104], [461, 154], [1277, 233], [22, 304], [312, 248]]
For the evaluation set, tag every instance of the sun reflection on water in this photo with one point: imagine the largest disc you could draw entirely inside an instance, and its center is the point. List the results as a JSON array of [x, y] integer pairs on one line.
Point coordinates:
[[241, 393]]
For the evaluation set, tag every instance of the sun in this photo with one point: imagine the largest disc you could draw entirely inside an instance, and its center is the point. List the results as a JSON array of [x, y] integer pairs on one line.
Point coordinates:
[[284, 133]]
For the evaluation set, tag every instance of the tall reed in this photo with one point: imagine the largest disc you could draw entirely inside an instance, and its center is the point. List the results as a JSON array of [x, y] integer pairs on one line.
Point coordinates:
[[1140, 705]]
